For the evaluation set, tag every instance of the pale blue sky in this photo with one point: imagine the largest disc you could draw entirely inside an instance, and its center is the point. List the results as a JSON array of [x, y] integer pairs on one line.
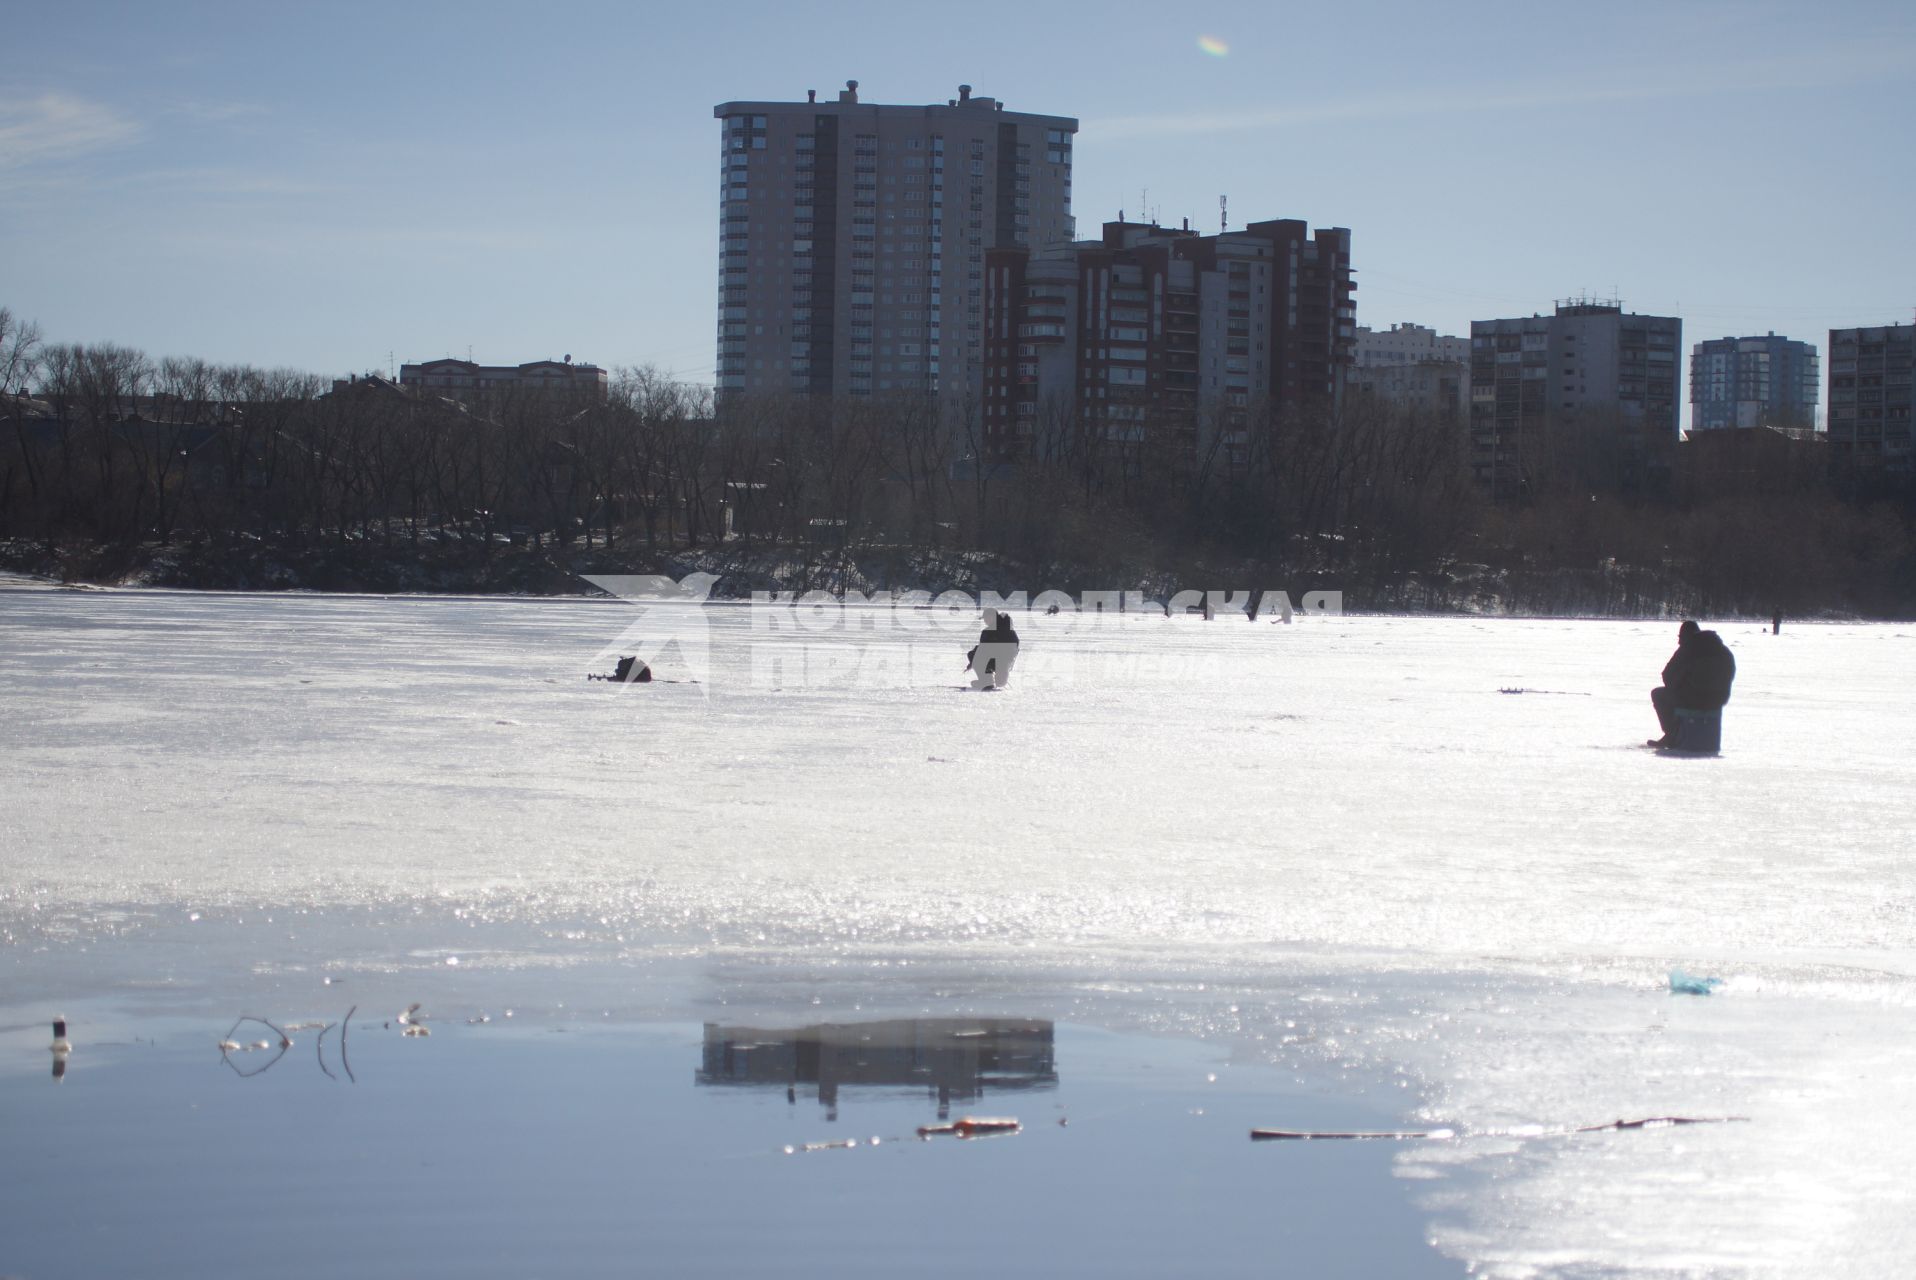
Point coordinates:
[[320, 187]]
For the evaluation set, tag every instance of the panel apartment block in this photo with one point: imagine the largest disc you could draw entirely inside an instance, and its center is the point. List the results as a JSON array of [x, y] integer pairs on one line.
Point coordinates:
[[1590, 365], [1871, 370], [852, 237], [1416, 368], [1408, 344], [1752, 382]]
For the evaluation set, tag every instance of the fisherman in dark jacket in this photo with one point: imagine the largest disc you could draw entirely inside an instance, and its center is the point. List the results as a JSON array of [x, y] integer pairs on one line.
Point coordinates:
[[997, 648], [1006, 639], [1696, 678]]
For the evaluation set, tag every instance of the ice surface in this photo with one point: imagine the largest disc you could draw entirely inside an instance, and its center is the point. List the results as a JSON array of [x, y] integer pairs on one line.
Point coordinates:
[[1341, 825]]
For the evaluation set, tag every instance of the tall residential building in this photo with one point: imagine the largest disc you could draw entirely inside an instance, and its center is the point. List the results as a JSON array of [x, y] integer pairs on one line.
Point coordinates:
[[1535, 380], [1752, 382], [1871, 371], [1414, 367], [1163, 336], [1101, 331], [852, 237]]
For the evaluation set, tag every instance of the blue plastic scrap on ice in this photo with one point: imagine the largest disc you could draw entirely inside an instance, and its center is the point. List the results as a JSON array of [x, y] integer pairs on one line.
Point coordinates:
[[1683, 984]]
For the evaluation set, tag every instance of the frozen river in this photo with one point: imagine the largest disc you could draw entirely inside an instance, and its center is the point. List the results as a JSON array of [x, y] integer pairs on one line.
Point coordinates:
[[1335, 848]]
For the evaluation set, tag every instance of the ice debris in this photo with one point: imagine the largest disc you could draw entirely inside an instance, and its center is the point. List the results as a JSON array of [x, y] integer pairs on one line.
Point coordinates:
[[1684, 984]]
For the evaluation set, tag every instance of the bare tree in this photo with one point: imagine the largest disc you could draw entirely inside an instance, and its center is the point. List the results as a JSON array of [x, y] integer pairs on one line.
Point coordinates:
[[20, 345]]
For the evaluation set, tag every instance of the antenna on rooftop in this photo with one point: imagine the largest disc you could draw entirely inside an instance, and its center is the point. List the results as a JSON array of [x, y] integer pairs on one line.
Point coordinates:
[[1223, 222]]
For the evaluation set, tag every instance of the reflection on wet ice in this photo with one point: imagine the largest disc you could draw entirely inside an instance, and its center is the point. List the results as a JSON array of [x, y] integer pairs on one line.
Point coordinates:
[[952, 1058]]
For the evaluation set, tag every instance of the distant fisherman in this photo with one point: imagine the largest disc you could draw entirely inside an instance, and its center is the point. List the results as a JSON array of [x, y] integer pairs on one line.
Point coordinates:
[[990, 660], [628, 671]]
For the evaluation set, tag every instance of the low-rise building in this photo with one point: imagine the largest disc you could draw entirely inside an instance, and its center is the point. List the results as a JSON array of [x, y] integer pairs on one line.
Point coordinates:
[[464, 380], [1763, 461]]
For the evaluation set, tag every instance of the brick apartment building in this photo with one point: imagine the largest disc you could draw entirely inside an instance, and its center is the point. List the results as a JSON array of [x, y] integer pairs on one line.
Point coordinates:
[[1161, 335]]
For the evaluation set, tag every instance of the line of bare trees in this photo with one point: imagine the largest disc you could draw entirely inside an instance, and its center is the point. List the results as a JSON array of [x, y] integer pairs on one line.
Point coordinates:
[[112, 446], [108, 446]]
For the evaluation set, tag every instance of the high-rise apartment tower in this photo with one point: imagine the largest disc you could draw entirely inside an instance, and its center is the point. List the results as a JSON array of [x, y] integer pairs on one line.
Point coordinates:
[[852, 237], [1590, 369], [1160, 336], [1872, 370], [1752, 382]]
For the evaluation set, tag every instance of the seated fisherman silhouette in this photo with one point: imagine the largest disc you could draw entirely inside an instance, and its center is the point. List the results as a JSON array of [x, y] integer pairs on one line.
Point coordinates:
[[628, 671], [991, 659], [1697, 678]]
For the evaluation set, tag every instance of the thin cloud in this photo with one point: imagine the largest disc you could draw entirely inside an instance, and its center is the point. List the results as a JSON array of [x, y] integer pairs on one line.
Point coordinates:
[[57, 126], [1843, 65]]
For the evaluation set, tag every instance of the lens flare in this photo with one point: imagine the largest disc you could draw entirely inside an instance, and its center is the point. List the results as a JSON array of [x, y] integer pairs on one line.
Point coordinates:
[[1213, 46]]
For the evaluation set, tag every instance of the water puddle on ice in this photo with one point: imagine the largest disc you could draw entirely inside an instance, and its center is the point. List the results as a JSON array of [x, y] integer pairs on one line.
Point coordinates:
[[530, 1145]]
